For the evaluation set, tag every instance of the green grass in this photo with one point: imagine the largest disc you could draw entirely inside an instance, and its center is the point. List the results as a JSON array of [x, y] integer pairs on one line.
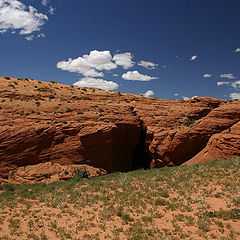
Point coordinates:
[[137, 200]]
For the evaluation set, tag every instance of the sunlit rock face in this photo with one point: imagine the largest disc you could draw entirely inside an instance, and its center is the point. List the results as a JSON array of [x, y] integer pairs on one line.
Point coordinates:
[[50, 122]]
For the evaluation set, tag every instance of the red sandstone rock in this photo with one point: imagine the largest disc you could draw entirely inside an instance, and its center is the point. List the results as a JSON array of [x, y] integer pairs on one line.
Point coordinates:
[[49, 172], [177, 146], [44, 122], [223, 145]]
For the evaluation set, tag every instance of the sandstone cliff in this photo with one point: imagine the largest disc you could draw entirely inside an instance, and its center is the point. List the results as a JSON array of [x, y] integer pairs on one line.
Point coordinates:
[[44, 122]]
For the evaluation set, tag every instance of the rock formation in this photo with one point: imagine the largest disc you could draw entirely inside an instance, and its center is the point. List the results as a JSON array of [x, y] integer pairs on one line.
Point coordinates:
[[53, 123]]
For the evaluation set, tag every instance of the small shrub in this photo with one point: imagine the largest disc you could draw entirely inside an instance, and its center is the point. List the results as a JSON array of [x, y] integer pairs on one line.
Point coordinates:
[[82, 174], [44, 89], [38, 104], [160, 202], [69, 109], [100, 110], [188, 123], [51, 96], [8, 78], [47, 175]]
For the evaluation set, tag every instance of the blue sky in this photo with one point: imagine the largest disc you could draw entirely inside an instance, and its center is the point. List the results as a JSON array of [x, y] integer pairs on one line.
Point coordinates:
[[171, 49]]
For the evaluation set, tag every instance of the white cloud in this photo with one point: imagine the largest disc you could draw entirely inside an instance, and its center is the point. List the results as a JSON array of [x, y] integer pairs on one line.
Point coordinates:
[[236, 84], [124, 60], [185, 98], [89, 65], [51, 10], [93, 73], [136, 76], [96, 83], [164, 66], [227, 75], [207, 75], [234, 95], [237, 50], [115, 75], [176, 94], [148, 65], [193, 58], [222, 83], [148, 93], [14, 15], [31, 37], [44, 2], [40, 35]]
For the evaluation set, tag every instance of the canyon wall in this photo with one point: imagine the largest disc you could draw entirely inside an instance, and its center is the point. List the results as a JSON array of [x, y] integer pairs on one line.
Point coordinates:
[[44, 122]]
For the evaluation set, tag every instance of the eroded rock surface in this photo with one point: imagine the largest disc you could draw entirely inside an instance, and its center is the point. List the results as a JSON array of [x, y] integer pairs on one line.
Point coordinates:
[[44, 122]]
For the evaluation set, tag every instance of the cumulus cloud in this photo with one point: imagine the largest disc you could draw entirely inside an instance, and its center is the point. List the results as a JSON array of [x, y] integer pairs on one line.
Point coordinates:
[[14, 15], [115, 75], [51, 10], [136, 76], [148, 65], [89, 64], [207, 75], [193, 58], [236, 84], [176, 94], [227, 75], [222, 83], [148, 93], [237, 50], [31, 37], [124, 60], [234, 95], [44, 2], [185, 98], [96, 83]]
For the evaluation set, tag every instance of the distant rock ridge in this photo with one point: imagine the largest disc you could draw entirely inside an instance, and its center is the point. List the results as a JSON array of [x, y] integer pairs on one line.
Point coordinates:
[[43, 122]]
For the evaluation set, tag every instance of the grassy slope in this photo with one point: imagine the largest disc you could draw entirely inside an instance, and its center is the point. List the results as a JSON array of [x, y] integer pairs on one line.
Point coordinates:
[[189, 202]]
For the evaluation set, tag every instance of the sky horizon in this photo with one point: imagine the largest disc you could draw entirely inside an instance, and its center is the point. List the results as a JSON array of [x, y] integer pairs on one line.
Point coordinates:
[[168, 49]]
